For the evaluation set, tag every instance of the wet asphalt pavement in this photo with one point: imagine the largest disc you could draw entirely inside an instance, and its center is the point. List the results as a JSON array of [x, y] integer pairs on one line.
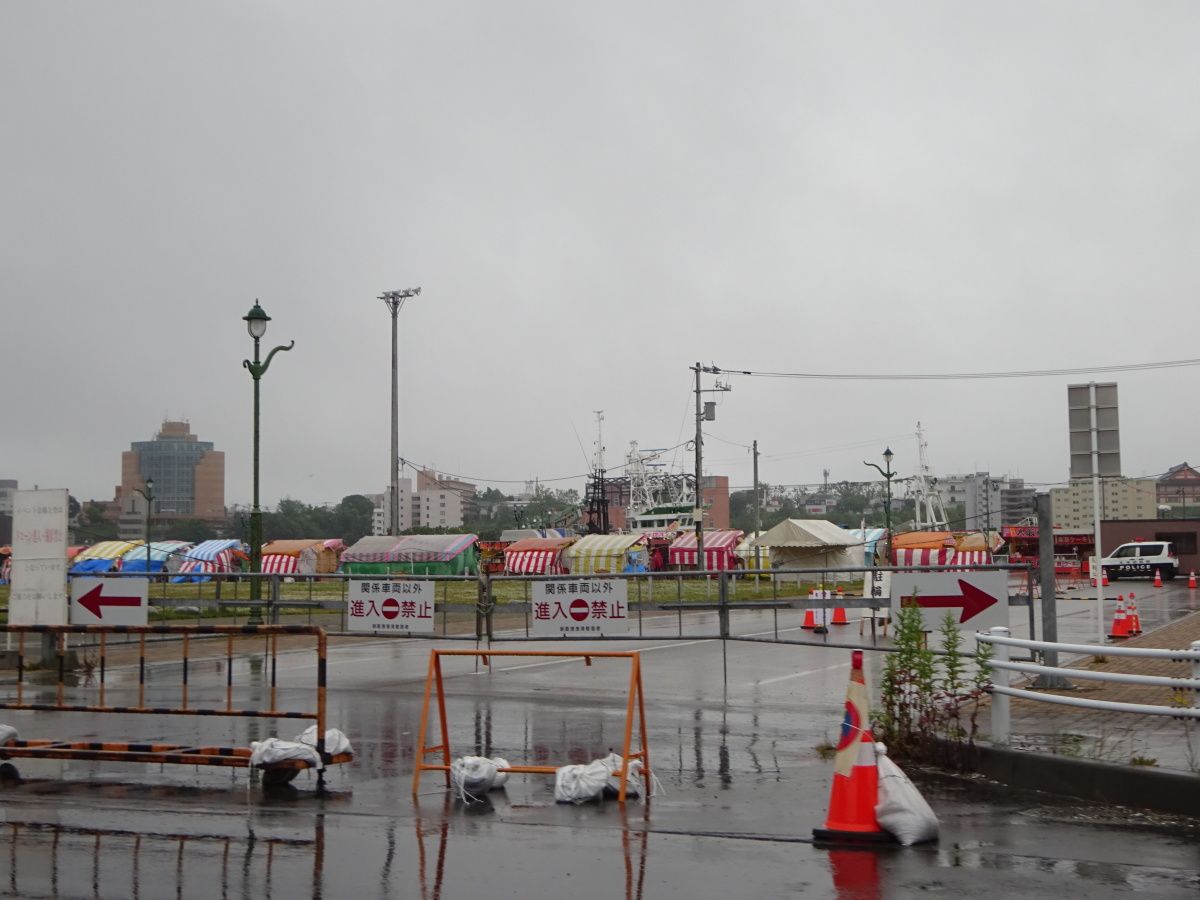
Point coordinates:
[[732, 743]]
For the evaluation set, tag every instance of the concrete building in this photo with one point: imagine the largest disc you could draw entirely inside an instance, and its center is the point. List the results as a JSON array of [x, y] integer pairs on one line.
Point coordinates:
[[1120, 498], [8, 486], [381, 518], [1017, 502], [981, 494], [188, 474], [441, 501]]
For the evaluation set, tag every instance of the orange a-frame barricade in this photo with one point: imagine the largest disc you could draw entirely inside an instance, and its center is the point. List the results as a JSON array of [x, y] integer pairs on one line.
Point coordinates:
[[433, 683]]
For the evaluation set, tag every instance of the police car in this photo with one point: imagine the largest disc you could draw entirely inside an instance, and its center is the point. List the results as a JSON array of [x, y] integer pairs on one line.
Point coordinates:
[[1141, 560]]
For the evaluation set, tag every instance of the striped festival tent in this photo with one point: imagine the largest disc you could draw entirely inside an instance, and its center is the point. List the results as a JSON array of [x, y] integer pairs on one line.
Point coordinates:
[[536, 556], [942, 556], [164, 555], [601, 554], [720, 550], [413, 554], [101, 557], [208, 558], [280, 564]]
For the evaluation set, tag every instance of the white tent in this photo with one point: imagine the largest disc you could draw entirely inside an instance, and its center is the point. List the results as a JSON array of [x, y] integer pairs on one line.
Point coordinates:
[[810, 544]]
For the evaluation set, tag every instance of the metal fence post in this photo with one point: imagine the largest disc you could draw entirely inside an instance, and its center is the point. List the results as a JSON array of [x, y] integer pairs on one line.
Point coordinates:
[[1196, 674], [1001, 716], [723, 603]]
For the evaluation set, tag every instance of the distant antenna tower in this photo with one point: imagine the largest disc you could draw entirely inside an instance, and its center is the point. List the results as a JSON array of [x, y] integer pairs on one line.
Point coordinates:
[[931, 513], [825, 474], [596, 499], [598, 459]]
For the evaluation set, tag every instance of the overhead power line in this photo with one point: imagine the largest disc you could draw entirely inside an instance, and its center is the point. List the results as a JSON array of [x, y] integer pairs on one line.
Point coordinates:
[[959, 376]]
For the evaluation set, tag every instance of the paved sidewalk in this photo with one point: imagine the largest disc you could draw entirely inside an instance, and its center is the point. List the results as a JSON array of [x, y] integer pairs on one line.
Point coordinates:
[[1119, 737]]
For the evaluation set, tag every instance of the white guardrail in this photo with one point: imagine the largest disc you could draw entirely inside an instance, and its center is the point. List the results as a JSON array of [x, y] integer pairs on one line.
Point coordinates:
[[1001, 642]]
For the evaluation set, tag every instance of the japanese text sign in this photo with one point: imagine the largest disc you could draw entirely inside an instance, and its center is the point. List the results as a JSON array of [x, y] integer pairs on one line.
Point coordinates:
[[39, 576], [581, 607], [395, 607]]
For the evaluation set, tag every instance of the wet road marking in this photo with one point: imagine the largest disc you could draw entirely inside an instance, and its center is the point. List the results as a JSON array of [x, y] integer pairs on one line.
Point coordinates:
[[779, 678]]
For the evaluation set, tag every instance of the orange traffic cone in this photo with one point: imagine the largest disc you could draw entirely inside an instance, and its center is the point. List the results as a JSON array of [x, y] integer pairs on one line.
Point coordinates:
[[1135, 621], [839, 616], [1104, 578], [841, 592], [810, 619], [855, 790], [1158, 577], [1192, 580], [1120, 626]]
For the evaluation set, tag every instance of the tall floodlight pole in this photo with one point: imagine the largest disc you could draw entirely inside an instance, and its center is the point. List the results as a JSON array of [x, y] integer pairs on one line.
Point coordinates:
[[148, 496], [393, 300], [256, 323], [888, 475]]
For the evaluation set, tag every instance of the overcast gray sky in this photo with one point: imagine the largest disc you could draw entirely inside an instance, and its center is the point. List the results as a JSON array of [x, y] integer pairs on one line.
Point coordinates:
[[592, 197]]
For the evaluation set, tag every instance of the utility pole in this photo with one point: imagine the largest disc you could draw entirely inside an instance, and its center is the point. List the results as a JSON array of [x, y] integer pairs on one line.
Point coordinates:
[[698, 510], [394, 300], [757, 511], [707, 410]]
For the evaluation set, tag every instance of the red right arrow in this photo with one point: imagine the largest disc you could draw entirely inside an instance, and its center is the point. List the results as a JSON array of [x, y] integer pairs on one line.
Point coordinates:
[[95, 600], [972, 600]]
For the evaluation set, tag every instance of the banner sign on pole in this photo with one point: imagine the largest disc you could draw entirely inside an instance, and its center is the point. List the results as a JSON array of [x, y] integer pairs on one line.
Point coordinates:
[[39, 558], [391, 607], [581, 607]]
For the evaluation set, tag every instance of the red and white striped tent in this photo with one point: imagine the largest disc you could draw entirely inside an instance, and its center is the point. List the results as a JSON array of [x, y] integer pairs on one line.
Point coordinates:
[[280, 564], [536, 556], [720, 550], [941, 556]]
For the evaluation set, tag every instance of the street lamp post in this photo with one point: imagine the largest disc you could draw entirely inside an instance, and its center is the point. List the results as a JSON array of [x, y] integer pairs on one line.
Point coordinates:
[[256, 323], [888, 475], [148, 496]]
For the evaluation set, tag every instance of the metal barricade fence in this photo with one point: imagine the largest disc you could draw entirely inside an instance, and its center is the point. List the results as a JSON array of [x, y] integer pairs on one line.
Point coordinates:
[[1001, 642], [147, 752], [751, 605]]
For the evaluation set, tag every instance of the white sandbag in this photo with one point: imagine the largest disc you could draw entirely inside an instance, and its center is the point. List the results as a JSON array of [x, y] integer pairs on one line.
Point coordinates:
[[274, 750], [8, 734], [335, 741], [612, 787], [501, 777], [902, 810], [473, 776], [579, 784]]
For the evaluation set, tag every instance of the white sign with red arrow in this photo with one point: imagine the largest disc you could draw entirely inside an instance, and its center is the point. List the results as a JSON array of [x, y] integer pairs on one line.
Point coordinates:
[[109, 601], [977, 600]]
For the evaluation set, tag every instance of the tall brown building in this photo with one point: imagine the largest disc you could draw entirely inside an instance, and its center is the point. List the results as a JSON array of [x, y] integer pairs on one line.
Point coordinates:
[[189, 475], [714, 498]]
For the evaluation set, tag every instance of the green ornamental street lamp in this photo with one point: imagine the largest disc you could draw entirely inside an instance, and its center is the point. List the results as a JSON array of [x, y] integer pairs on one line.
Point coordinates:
[[256, 323], [888, 475], [148, 496]]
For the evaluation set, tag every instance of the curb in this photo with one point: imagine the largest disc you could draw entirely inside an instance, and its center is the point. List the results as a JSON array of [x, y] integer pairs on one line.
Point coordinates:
[[1136, 786]]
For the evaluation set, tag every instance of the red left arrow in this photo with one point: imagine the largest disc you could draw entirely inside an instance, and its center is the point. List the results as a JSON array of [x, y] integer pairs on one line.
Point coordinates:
[[95, 600], [972, 600]]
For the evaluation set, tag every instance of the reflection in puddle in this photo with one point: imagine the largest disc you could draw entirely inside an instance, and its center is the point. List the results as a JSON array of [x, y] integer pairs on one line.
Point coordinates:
[[433, 829], [47, 858]]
